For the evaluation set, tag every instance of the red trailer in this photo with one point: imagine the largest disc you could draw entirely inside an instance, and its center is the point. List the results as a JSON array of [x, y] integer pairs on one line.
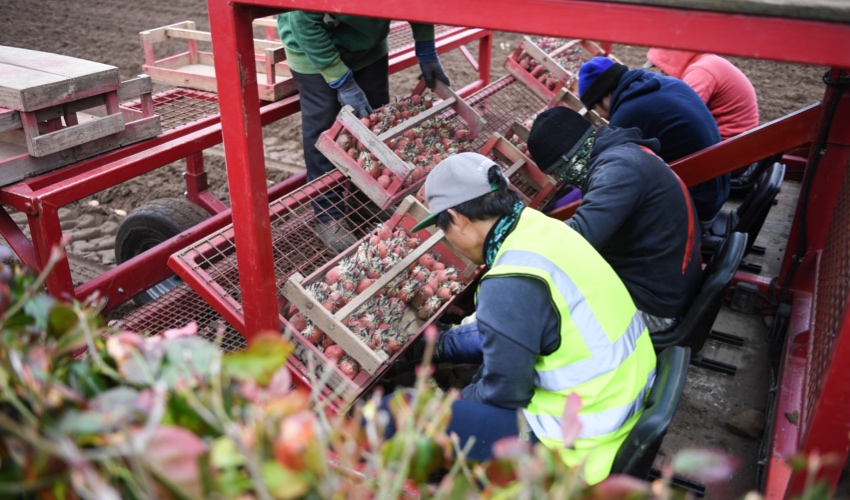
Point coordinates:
[[815, 276]]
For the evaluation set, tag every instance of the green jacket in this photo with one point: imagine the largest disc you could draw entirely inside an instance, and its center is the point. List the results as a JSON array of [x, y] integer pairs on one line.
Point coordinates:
[[316, 42]]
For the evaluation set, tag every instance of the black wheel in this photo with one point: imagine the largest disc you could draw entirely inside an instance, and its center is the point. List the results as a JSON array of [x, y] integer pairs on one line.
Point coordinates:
[[150, 225]]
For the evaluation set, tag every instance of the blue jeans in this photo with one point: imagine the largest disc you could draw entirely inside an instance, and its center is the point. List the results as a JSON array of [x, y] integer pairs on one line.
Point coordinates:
[[486, 423], [319, 108]]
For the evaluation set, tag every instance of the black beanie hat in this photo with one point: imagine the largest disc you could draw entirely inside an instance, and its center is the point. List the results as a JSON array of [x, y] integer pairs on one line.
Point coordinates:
[[594, 85], [556, 133]]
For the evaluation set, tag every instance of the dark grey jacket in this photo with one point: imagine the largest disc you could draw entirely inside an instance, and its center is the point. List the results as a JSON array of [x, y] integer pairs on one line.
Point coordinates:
[[639, 216]]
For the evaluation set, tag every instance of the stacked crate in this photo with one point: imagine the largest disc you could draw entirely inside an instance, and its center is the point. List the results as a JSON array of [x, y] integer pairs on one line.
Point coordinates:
[[56, 110]]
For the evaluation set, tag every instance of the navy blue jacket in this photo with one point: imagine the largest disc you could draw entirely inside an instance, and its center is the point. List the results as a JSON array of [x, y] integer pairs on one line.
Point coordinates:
[[667, 109], [637, 214]]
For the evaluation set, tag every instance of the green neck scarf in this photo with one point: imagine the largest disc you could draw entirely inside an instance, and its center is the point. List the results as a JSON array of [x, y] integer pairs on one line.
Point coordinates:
[[500, 230], [574, 170]]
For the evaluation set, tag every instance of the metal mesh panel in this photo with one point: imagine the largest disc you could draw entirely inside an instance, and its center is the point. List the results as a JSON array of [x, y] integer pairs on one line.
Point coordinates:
[[401, 36], [502, 103], [833, 287], [179, 106], [346, 213], [177, 308]]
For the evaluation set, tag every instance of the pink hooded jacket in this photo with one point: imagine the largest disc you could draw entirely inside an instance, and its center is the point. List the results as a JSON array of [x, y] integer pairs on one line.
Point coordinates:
[[726, 91]]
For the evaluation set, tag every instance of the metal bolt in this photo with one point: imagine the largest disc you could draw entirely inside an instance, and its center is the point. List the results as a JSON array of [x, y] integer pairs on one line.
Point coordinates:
[[120, 290], [28, 208]]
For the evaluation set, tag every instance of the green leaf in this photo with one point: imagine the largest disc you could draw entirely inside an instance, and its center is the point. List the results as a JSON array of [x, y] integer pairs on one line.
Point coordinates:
[[38, 309], [225, 454], [61, 319], [231, 483], [106, 413], [260, 361], [187, 358], [282, 483]]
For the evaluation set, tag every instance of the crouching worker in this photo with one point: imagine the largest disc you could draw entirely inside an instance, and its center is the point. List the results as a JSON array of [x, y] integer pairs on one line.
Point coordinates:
[[635, 211], [553, 319]]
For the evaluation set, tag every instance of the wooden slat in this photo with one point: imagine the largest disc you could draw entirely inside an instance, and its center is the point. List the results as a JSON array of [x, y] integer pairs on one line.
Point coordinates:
[[370, 360], [9, 119], [76, 135], [31, 80], [158, 35], [384, 154]]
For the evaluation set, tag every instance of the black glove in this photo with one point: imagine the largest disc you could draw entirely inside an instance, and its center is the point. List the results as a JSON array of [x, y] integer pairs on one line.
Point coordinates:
[[350, 94], [429, 62]]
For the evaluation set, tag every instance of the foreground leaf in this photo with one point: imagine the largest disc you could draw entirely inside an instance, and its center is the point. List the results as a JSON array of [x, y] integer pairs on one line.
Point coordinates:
[[261, 360]]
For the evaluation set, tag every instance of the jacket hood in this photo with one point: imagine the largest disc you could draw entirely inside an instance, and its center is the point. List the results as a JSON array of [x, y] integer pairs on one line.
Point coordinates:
[[671, 62], [634, 83], [609, 137]]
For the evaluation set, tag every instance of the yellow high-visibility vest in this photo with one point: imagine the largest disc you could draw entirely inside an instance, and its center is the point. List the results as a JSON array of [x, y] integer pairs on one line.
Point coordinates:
[[605, 354]]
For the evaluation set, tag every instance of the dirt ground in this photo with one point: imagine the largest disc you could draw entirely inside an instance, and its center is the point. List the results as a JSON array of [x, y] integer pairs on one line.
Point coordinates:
[[106, 31]]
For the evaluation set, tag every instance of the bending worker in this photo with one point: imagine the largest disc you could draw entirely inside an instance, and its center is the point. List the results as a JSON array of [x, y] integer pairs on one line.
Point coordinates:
[[635, 211], [553, 319], [725, 89], [339, 60], [663, 108]]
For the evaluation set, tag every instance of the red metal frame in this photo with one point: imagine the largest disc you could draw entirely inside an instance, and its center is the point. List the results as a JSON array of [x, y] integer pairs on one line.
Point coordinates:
[[777, 38], [42, 196]]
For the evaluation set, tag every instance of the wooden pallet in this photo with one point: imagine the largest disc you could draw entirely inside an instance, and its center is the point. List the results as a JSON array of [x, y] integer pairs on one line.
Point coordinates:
[[563, 92], [409, 213], [377, 145], [535, 187], [65, 133], [195, 68]]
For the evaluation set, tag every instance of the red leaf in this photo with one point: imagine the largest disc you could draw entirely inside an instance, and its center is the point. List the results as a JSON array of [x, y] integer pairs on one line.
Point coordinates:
[[619, 486], [188, 330], [173, 453], [570, 423]]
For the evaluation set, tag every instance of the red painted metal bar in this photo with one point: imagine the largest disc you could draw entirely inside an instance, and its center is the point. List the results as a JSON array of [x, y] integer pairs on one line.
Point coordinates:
[[789, 403], [825, 183], [237, 79], [143, 271], [17, 240], [197, 186], [776, 38], [59, 282], [828, 421], [771, 138]]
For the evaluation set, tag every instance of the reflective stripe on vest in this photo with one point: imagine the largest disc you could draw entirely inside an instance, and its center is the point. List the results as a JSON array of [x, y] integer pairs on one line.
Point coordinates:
[[605, 356], [592, 424]]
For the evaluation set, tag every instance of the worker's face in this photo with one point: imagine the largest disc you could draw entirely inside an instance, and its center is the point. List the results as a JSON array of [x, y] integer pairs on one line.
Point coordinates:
[[464, 239], [603, 106]]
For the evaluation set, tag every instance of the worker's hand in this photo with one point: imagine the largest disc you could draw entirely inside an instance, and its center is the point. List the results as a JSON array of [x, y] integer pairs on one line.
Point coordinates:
[[429, 62], [461, 344], [350, 94]]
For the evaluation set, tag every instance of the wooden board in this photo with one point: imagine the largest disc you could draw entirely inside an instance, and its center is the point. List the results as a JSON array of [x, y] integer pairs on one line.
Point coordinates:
[[31, 80], [195, 69]]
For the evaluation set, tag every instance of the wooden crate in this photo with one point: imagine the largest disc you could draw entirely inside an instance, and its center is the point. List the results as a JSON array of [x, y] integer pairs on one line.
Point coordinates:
[[559, 64], [195, 69], [536, 188], [451, 107], [373, 363], [33, 142]]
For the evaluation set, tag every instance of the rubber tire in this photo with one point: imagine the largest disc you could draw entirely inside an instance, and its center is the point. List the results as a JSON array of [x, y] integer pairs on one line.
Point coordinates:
[[150, 225]]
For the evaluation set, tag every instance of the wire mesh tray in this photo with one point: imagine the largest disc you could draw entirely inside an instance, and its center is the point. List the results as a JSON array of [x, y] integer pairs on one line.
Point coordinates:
[[209, 267], [389, 154], [365, 300]]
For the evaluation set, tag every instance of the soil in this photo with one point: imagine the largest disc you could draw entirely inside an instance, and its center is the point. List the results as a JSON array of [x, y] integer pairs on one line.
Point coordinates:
[[107, 31]]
